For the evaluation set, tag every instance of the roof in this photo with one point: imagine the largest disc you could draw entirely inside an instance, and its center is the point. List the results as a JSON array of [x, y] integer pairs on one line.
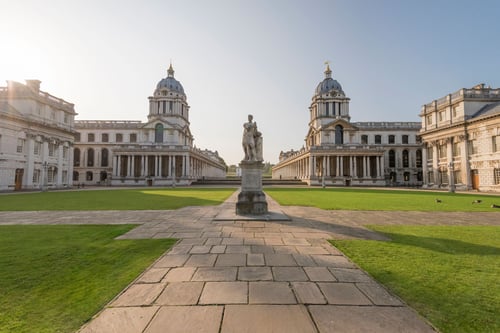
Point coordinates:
[[488, 110]]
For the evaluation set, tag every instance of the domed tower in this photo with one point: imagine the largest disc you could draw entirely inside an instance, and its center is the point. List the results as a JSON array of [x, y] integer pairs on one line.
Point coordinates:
[[169, 102], [329, 113]]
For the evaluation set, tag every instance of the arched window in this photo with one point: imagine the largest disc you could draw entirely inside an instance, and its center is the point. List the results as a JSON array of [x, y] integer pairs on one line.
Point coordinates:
[[90, 157], [104, 157], [419, 158], [159, 133], [76, 157], [339, 135], [406, 160], [392, 159]]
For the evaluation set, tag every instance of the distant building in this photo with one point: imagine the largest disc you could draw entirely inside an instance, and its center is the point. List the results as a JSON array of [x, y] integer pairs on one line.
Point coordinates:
[[461, 135], [340, 152], [157, 152], [36, 138]]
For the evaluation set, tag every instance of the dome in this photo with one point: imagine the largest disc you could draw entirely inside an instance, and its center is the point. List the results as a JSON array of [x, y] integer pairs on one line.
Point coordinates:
[[170, 83], [328, 83]]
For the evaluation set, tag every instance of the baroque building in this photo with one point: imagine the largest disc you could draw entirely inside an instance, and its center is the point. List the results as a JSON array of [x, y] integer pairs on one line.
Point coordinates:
[[36, 138], [157, 152], [340, 152], [461, 136]]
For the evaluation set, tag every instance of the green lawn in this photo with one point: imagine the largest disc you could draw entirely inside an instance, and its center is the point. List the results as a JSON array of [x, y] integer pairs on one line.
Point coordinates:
[[368, 199], [55, 278], [129, 199], [448, 274]]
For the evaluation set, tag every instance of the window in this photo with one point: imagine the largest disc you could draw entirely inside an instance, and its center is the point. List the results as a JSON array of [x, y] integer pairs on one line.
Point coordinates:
[[76, 157], [454, 111], [76, 176], [430, 177], [133, 137], [339, 135], [170, 106], [65, 176], [418, 139], [104, 157], [429, 119], [378, 139], [119, 137], [406, 159], [457, 177], [430, 153], [159, 133], [20, 145], [38, 148], [51, 174], [104, 137], [52, 149], [496, 176], [364, 139], [442, 116], [418, 159], [406, 176], [496, 143], [327, 108], [456, 149], [405, 139], [89, 176], [442, 151], [36, 176], [77, 137], [472, 147], [65, 152], [66, 118], [90, 157], [392, 159], [90, 137], [392, 139]]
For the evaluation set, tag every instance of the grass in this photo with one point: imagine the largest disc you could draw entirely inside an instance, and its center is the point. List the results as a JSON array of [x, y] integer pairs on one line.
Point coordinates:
[[370, 199], [130, 199], [448, 274], [55, 278]]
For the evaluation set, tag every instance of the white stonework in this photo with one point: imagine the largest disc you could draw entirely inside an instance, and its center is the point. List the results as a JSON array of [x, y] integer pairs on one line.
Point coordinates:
[[461, 136], [340, 152], [36, 138], [157, 152]]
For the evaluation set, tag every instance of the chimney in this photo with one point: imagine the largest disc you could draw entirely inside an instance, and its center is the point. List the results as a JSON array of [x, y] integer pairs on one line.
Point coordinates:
[[34, 85]]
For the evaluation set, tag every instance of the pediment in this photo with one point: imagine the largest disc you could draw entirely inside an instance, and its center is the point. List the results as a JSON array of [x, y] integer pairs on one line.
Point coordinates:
[[167, 125], [344, 123]]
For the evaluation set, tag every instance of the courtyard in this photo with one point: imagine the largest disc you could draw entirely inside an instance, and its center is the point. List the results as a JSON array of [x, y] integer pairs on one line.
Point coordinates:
[[237, 275]]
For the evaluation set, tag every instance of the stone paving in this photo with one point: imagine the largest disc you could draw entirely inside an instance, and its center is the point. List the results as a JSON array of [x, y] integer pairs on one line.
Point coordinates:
[[253, 276]]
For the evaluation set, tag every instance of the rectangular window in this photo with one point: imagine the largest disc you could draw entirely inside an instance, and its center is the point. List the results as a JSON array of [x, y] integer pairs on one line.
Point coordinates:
[[429, 119], [430, 177], [457, 176], [119, 137], [170, 106], [51, 149], [20, 145], [37, 148], [378, 139], [392, 139], [66, 118], [442, 151], [364, 139], [496, 175], [442, 116], [133, 137], [430, 153], [454, 111], [496, 143], [50, 175], [472, 146], [405, 139], [90, 137], [36, 176], [104, 137], [327, 109], [456, 149], [77, 137], [65, 176]]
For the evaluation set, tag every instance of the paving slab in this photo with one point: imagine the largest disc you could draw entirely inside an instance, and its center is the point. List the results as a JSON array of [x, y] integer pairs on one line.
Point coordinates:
[[121, 320], [308, 293], [343, 294], [186, 319], [267, 319], [373, 319], [179, 274], [231, 259], [319, 274], [225, 293], [255, 273], [180, 293], [270, 293], [289, 274], [139, 295], [215, 274]]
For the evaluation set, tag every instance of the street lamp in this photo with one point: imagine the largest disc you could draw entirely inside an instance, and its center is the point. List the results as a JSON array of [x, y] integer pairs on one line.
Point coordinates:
[[452, 178]]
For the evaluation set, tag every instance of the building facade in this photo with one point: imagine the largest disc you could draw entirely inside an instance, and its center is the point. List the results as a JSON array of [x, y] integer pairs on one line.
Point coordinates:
[[340, 152], [157, 152], [461, 137], [36, 138]]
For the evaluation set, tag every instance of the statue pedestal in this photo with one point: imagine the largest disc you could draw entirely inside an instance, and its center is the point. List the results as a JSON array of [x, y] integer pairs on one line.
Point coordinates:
[[251, 199]]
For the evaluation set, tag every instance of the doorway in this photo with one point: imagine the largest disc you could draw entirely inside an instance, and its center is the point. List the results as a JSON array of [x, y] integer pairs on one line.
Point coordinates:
[[474, 176], [18, 180]]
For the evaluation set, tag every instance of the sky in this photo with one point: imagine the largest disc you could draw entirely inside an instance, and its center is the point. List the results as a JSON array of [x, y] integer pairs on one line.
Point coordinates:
[[259, 57]]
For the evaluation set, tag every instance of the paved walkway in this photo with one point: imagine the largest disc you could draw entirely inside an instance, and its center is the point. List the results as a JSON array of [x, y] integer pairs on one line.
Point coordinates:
[[253, 276]]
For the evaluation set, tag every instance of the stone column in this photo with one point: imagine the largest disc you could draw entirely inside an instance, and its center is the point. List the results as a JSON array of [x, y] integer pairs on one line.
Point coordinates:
[[59, 164], [424, 166]]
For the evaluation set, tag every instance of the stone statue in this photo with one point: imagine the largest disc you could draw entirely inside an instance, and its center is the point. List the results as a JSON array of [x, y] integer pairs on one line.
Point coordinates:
[[248, 141]]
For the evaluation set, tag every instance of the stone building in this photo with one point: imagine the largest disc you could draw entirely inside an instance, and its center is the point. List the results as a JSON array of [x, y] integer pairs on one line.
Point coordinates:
[[461, 136], [36, 138], [340, 152], [157, 152]]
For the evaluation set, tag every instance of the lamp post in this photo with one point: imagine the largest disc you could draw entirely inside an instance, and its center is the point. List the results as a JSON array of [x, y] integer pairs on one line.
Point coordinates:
[[45, 177], [452, 178]]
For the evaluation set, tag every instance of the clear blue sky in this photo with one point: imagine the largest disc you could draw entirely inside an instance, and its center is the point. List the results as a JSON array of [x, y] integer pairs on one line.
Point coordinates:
[[263, 57]]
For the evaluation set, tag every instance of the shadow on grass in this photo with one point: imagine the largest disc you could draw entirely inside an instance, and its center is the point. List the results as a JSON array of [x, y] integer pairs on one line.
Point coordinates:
[[443, 245]]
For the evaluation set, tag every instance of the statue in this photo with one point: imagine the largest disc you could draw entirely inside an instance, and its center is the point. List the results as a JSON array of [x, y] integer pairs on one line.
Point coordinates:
[[252, 141]]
